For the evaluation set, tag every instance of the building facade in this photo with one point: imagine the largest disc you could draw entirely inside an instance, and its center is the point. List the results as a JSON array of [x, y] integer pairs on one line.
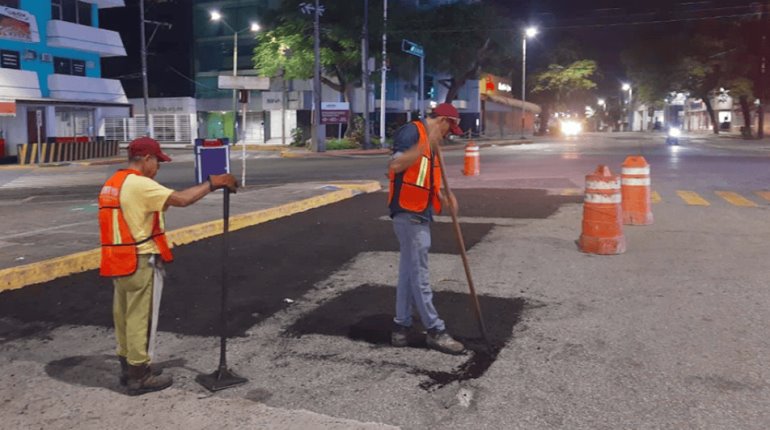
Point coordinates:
[[51, 89]]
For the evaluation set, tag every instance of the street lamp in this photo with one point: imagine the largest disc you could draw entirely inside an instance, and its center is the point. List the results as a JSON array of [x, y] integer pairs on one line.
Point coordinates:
[[216, 16], [528, 33], [629, 115]]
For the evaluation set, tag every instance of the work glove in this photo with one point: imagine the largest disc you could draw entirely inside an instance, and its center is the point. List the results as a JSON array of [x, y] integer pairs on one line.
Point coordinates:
[[226, 180]]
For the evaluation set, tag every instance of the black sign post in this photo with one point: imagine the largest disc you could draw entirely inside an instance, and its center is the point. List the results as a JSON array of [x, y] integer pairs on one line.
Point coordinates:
[[412, 48]]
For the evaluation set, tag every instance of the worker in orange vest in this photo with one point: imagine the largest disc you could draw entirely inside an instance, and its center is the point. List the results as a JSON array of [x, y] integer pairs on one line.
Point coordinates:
[[134, 248], [415, 196]]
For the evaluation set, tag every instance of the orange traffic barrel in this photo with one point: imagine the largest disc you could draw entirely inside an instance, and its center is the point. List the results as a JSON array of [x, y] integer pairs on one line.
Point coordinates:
[[602, 214], [472, 167], [637, 197]]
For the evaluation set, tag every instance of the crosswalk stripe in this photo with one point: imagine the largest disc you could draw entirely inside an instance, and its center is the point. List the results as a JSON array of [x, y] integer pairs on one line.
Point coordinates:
[[735, 199], [692, 198], [764, 194], [655, 197]]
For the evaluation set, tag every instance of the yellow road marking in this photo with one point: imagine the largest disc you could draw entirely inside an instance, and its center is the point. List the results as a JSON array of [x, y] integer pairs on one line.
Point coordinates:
[[736, 199], [764, 194], [571, 192], [692, 198], [655, 197]]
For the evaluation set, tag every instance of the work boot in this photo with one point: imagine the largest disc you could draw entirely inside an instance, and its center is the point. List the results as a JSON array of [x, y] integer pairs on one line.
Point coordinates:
[[124, 370], [441, 341], [142, 381], [399, 337]]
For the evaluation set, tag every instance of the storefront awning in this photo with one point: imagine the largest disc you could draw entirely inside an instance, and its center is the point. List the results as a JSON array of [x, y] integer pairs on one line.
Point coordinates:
[[509, 101], [66, 87], [15, 84]]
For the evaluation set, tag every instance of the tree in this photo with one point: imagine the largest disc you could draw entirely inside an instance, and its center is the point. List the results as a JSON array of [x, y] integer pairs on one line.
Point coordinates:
[[559, 87], [459, 39], [288, 47]]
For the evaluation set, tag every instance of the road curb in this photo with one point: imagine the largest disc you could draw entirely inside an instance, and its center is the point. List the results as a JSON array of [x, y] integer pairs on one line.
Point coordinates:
[[47, 270]]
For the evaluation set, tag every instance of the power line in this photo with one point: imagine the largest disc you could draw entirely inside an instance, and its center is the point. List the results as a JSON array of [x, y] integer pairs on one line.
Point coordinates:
[[581, 26]]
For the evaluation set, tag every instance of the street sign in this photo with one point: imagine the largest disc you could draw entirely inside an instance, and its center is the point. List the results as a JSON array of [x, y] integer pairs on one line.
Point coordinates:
[[308, 8], [335, 113], [243, 83], [412, 48]]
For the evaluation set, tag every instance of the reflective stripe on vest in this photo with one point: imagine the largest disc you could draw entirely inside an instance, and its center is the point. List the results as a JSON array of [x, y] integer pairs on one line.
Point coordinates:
[[421, 182], [119, 248]]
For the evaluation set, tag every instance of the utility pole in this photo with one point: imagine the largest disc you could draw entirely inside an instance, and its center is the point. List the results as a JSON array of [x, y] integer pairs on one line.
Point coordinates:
[[762, 90], [365, 71], [384, 71], [148, 129], [318, 136]]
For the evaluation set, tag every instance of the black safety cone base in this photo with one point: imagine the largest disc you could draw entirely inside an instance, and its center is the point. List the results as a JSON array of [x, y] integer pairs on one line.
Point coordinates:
[[221, 379]]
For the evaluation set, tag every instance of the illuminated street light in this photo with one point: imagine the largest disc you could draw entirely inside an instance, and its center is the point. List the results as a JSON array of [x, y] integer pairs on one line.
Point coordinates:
[[254, 27], [215, 15], [601, 102], [531, 32], [626, 87]]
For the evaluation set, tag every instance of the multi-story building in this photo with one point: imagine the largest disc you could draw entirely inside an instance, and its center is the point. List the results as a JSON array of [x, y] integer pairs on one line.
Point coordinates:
[[51, 89]]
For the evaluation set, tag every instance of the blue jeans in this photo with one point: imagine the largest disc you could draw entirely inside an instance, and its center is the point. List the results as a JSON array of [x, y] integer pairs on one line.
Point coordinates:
[[413, 289]]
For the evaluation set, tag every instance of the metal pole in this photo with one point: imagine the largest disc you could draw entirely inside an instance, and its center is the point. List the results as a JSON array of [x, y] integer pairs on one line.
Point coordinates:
[[422, 87], [243, 145], [318, 138], [283, 107], [148, 129], [384, 71], [225, 259], [365, 71], [235, 97], [762, 93], [523, 81]]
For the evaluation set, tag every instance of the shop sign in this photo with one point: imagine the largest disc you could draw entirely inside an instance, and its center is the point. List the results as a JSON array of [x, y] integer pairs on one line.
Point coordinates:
[[495, 85], [18, 25], [335, 113], [271, 100], [7, 108]]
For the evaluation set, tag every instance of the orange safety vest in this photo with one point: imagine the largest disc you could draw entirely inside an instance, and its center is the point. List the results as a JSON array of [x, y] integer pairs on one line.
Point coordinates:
[[119, 248], [421, 182]]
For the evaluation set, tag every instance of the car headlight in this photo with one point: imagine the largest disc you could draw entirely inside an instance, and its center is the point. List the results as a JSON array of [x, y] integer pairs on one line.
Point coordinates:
[[674, 132], [571, 128]]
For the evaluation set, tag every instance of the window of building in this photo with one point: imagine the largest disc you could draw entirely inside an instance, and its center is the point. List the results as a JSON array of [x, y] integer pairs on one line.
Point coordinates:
[[10, 3], [9, 59], [68, 66], [72, 122], [75, 11]]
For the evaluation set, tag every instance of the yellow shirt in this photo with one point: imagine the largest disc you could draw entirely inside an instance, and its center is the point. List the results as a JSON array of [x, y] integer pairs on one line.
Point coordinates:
[[140, 198]]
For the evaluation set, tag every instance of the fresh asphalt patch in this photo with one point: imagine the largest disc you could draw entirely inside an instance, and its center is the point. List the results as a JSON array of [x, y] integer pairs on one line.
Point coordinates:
[[269, 263], [366, 314]]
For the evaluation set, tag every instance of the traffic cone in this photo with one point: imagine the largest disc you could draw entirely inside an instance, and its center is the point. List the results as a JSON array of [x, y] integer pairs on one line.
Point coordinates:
[[472, 167], [635, 189], [602, 215]]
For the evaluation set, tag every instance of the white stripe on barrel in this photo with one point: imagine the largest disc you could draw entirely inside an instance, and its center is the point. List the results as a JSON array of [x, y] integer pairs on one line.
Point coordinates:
[[603, 185], [636, 182], [636, 170], [603, 198]]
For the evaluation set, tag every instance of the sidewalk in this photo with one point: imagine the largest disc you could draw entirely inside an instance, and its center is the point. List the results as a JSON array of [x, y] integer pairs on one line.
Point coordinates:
[[60, 239], [454, 145]]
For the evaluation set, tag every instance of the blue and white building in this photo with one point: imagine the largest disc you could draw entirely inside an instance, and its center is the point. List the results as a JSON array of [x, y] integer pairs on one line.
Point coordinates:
[[51, 89]]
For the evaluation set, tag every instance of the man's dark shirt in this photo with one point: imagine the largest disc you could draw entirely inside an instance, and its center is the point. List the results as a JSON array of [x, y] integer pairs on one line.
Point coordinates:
[[406, 137]]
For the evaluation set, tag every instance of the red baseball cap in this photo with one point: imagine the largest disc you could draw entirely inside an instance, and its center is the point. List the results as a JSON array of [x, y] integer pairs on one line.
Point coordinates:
[[146, 146], [448, 110]]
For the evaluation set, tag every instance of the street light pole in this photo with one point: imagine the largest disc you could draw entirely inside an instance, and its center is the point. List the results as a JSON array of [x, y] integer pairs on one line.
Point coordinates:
[[235, 98], [384, 71], [145, 90], [365, 77], [318, 138], [529, 32]]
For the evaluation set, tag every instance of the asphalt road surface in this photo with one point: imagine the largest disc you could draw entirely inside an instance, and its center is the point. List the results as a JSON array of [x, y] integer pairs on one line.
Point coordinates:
[[671, 334]]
